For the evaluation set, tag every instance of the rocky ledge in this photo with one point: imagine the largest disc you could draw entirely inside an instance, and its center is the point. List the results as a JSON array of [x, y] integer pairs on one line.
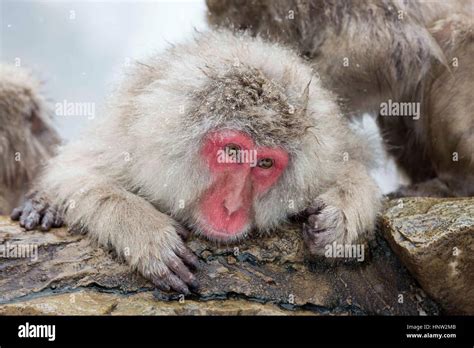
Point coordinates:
[[62, 273], [434, 238]]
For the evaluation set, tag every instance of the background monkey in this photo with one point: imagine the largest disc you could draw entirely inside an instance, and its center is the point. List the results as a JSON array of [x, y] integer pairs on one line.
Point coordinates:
[[27, 136], [371, 51], [176, 150]]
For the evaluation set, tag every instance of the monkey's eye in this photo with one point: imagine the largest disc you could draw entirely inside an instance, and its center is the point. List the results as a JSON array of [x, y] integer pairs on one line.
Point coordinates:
[[232, 150], [265, 163]]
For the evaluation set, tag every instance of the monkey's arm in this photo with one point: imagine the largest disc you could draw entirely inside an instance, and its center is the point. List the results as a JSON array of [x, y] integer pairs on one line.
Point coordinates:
[[116, 218], [345, 213]]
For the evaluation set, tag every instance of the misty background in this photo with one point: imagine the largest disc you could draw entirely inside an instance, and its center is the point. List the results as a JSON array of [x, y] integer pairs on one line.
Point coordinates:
[[78, 48]]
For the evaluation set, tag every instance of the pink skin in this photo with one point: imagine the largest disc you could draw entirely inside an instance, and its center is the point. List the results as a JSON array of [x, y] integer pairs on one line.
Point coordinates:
[[226, 207]]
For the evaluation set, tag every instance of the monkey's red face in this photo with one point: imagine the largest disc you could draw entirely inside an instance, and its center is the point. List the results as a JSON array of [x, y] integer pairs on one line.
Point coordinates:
[[240, 172]]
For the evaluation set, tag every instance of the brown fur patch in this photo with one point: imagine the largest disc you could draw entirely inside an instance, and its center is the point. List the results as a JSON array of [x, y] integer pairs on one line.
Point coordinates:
[[259, 105]]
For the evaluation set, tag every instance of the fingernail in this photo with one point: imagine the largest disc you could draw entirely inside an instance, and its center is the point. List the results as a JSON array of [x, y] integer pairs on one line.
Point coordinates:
[[194, 284], [196, 264]]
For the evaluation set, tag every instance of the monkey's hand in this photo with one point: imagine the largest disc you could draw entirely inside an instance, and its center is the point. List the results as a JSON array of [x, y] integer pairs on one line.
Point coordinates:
[[166, 263], [326, 223], [344, 214], [37, 212], [150, 241]]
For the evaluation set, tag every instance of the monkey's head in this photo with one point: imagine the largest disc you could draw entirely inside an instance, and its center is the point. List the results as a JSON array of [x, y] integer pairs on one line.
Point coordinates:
[[235, 134], [27, 136]]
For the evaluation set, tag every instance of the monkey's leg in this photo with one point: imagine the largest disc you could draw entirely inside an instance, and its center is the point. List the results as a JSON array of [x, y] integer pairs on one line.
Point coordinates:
[[345, 213]]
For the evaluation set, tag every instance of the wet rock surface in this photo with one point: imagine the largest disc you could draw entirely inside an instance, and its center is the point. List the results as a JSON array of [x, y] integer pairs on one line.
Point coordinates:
[[434, 238], [265, 275]]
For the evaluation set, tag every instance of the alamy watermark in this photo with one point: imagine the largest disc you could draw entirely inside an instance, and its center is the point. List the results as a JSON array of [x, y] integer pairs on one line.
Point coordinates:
[[17, 251], [409, 109], [229, 155], [346, 251], [66, 108], [28, 330]]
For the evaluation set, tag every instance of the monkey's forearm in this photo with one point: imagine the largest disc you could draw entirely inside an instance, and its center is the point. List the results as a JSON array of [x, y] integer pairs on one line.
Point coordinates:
[[143, 236]]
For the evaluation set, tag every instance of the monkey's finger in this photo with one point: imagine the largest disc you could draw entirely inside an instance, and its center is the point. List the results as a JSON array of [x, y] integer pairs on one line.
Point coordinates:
[[58, 220], [32, 221], [160, 284], [188, 257], [16, 213], [183, 232], [27, 208], [178, 267], [314, 225], [310, 234], [316, 242], [48, 219], [177, 284]]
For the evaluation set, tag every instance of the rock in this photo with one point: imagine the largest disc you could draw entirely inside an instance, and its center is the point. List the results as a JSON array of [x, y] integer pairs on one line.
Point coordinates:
[[264, 275], [435, 240], [89, 302]]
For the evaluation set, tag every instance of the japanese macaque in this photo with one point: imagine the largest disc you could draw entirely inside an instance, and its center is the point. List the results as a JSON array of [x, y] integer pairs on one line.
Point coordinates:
[[224, 135], [410, 62], [27, 136]]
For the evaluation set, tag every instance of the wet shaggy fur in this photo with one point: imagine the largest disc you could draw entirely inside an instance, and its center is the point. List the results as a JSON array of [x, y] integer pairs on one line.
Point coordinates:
[[27, 136], [138, 174], [370, 51]]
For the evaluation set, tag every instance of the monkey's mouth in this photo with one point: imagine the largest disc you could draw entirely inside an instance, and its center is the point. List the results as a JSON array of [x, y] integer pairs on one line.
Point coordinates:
[[213, 232], [220, 222]]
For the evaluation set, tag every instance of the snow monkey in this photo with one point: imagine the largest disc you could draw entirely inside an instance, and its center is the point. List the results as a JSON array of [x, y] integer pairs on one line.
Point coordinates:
[[27, 136], [223, 135], [410, 62]]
